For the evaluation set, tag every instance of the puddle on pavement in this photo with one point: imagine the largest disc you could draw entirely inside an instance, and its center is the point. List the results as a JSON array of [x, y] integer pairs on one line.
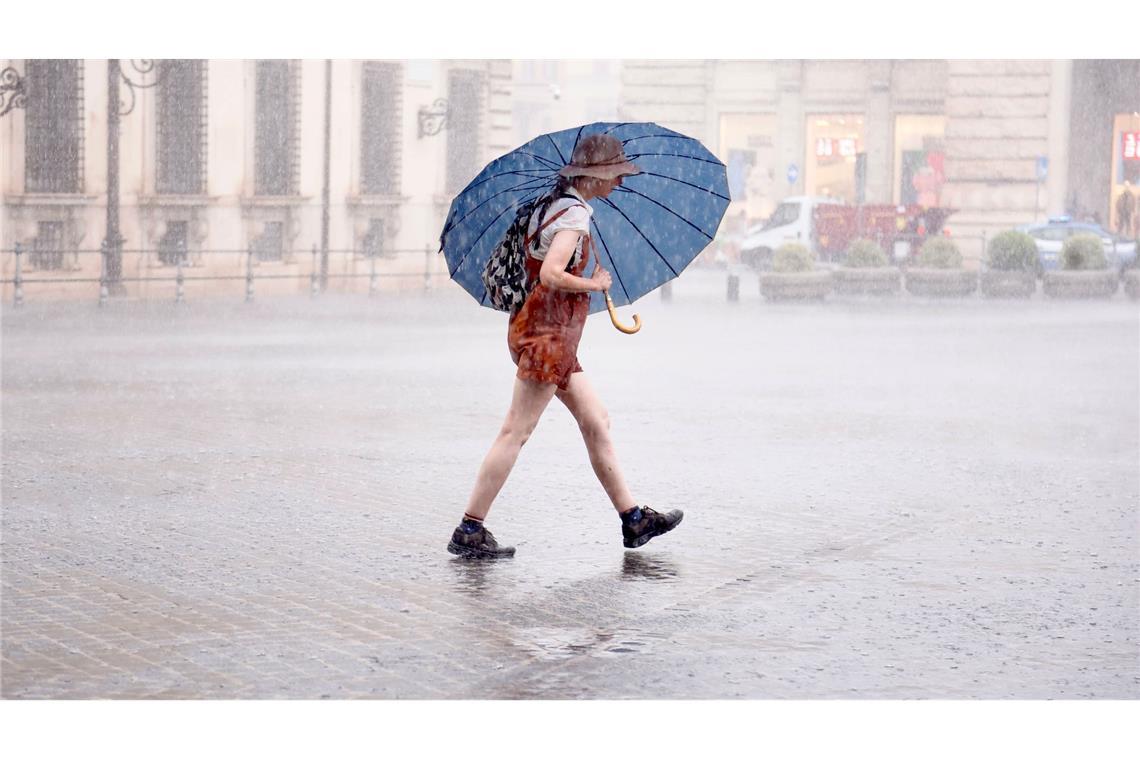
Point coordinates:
[[564, 643]]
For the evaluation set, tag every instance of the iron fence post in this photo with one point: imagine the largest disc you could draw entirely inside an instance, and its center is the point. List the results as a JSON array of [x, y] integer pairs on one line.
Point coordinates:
[[313, 283], [249, 274], [103, 274], [371, 276], [19, 295], [179, 292]]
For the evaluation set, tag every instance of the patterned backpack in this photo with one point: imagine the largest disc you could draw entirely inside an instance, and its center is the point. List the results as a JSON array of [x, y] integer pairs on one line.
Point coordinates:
[[504, 275]]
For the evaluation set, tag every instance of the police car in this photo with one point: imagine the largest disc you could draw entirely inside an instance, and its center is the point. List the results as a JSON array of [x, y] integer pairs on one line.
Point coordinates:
[[1051, 235]]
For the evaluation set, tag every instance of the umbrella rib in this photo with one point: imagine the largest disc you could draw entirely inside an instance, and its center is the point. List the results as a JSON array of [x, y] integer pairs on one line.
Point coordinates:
[[637, 229], [488, 199], [556, 148], [481, 234], [676, 155], [671, 211], [667, 137], [683, 182], [714, 161], [613, 267]]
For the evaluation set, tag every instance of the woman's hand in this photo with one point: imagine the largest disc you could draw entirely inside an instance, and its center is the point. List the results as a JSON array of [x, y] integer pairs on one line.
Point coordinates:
[[601, 278]]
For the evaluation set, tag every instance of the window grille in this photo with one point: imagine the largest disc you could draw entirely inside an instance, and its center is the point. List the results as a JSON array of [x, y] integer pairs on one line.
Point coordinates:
[[380, 128], [47, 248], [277, 128], [464, 122], [270, 244], [53, 142], [181, 126], [174, 243], [372, 245]]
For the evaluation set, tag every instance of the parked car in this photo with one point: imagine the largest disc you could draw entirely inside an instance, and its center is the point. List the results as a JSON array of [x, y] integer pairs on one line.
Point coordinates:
[[1051, 235]]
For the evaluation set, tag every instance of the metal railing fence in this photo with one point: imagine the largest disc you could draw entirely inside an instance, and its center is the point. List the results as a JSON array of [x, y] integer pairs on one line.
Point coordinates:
[[140, 268]]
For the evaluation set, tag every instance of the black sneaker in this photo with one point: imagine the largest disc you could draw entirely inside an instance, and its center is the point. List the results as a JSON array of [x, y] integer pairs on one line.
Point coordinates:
[[642, 523], [477, 544]]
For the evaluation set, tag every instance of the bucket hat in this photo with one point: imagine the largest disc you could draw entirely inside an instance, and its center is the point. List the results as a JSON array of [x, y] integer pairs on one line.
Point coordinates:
[[600, 156]]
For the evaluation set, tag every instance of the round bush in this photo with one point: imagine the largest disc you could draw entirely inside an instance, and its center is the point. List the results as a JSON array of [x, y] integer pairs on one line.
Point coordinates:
[[1012, 251], [1083, 252], [939, 253], [865, 253], [793, 257]]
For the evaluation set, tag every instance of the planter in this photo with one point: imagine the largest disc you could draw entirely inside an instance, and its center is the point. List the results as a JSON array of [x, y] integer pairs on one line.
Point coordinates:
[[869, 281], [941, 283], [783, 286], [1097, 283], [1132, 283], [1008, 284]]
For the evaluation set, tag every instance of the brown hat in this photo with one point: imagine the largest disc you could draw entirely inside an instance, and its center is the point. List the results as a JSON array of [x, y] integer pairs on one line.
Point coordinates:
[[600, 156]]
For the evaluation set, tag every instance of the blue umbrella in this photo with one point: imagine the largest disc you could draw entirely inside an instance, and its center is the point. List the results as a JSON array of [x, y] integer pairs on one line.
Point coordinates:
[[645, 233]]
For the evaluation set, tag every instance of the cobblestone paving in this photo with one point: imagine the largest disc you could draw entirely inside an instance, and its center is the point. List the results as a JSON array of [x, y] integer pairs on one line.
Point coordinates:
[[883, 500]]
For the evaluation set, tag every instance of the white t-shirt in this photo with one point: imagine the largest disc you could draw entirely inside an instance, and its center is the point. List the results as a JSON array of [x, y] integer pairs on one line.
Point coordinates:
[[576, 218]]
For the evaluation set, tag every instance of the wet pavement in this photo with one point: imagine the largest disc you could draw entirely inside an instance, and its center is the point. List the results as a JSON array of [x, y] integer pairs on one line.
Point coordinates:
[[884, 499]]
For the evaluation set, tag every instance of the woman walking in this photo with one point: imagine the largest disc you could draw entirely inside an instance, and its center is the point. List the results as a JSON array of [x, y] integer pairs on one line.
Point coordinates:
[[543, 338]]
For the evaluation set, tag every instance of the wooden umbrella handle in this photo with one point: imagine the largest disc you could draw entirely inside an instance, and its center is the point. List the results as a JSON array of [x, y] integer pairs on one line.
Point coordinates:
[[614, 318]]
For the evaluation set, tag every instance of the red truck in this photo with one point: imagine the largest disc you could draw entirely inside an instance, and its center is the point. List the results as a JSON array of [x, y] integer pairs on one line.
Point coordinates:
[[828, 226]]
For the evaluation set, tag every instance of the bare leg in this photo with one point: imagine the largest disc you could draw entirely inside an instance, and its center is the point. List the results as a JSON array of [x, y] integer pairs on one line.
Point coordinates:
[[594, 422], [527, 404]]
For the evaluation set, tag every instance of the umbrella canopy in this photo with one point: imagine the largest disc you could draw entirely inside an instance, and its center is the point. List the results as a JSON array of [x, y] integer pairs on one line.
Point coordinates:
[[645, 233]]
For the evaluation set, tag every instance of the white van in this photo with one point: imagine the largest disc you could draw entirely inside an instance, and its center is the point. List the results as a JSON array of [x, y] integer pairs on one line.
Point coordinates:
[[791, 222]]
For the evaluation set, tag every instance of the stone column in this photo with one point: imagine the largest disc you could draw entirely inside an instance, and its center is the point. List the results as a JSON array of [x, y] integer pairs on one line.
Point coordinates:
[[1060, 105], [790, 113], [877, 130]]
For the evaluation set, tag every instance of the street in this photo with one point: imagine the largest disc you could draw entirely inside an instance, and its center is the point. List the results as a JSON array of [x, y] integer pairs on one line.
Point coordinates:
[[883, 499]]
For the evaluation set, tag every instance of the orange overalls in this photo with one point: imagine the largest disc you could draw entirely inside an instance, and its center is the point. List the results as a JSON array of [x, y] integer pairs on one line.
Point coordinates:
[[543, 335]]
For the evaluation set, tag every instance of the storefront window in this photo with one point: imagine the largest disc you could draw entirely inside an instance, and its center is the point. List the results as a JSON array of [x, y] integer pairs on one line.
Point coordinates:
[[748, 149], [834, 162], [920, 157], [1124, 208]]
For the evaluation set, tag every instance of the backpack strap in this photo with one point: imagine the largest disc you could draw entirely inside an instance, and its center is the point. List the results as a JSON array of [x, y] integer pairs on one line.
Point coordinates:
[[546, 223]]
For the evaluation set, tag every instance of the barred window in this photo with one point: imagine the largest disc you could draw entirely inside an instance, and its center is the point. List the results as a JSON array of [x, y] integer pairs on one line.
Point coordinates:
[[181, 118], [464, 120], [277, 128], [380, 128], [172, 247], [270, 244], [373, 243], [47, 248], [53, 143]]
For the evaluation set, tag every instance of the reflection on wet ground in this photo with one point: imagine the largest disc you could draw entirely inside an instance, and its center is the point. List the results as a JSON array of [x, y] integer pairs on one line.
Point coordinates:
[[650, 567], [473, 576]]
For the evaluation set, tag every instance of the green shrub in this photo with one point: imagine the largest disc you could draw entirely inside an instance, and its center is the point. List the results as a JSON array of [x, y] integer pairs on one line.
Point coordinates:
[[865, 253], [1083, 252], [793, 257], [939, 253], [1011, 251]]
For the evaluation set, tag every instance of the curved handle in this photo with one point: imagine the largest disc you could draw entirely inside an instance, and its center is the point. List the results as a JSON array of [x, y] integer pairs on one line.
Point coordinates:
[[614, 318]]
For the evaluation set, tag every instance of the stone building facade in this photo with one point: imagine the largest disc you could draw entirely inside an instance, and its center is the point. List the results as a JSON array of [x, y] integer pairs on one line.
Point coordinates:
[[222, 157], [1003, 142]]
